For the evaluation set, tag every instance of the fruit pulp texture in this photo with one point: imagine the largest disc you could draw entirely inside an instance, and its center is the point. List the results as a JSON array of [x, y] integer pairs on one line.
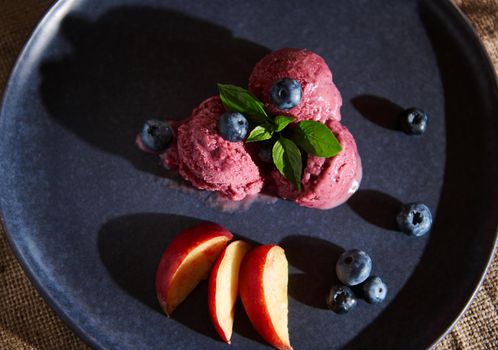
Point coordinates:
[[227, 286], [193, 269], [275, 280]]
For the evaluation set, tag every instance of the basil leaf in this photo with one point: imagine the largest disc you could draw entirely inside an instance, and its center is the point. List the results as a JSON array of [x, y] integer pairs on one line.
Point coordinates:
[[287, 158], [281, 121], [260, 133], [316, 138], [237, 99]]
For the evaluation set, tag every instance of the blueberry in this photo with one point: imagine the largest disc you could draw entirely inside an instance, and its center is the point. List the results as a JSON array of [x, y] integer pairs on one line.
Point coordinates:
[[265, 150], [233, 126], [353, 267], [341, 299], [286, 93], [156, 135], [414, 219], [374, 290], [414, 121]]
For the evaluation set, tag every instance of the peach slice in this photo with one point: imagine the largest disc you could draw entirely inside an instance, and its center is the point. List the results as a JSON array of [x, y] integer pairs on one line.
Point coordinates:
[[187, 261], [223, 287], [263, 290]]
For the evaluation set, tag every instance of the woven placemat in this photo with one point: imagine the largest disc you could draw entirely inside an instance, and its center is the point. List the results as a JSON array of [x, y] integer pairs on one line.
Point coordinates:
[[26, 322]]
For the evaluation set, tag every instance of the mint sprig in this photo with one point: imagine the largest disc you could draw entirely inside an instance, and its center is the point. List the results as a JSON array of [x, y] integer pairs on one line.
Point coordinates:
[[317, 139], [281, 121], [310, 136], [237, 99], [261, 132], [288, 160]]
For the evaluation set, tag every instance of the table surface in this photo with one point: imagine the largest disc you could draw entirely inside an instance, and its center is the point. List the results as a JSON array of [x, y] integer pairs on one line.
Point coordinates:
[[26, 321]]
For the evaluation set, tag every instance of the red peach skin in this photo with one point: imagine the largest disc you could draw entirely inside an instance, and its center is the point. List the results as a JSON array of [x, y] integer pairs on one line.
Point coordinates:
[[263, 290]]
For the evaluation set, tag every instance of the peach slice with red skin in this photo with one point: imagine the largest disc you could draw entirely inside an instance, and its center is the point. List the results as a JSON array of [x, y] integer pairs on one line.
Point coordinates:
[[223, 288], [263, 289], [188, 260]]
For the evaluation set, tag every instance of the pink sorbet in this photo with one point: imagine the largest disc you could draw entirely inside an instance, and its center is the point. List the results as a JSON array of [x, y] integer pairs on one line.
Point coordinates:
[[327, 182], [320, 98], [210, 162]]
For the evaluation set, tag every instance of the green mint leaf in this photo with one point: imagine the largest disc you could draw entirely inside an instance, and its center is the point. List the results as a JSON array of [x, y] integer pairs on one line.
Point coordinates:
[[315, 138], [260, 133], [287, 158], [237, 99], [281, 121]]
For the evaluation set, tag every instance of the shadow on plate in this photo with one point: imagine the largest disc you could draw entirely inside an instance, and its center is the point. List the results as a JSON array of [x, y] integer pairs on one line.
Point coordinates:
[[377, 208], [134, 64], [458, 218], [378, 110], [316, 259], [130, 247]]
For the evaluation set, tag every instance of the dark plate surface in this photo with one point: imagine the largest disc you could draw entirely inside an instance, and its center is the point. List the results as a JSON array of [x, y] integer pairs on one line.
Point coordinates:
[[89, 215]]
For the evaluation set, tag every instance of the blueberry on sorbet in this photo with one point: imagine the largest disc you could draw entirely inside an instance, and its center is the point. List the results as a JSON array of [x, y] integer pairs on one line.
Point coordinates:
[[233, 126], [286, 93], [156, 135]]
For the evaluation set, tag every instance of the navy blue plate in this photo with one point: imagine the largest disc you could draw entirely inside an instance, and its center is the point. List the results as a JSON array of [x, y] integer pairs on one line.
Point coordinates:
[[89, 215]]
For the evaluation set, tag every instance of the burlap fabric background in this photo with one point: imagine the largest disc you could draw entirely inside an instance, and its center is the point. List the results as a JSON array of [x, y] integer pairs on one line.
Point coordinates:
[[26, 322]]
